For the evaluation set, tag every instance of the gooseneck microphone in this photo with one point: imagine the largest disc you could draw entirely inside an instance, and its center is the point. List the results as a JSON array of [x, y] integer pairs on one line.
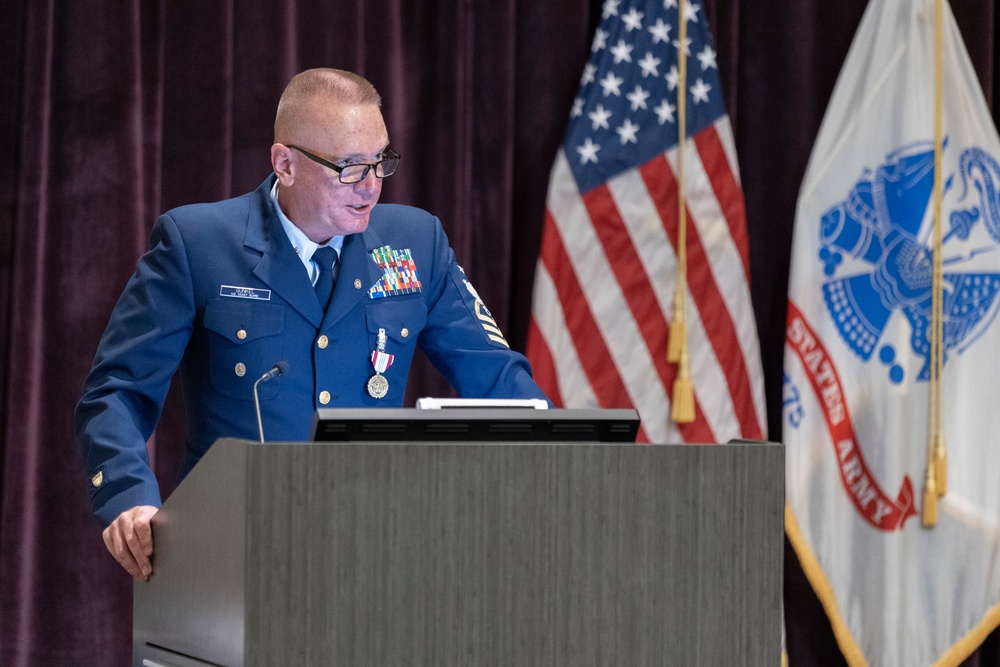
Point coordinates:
[[278, 369]]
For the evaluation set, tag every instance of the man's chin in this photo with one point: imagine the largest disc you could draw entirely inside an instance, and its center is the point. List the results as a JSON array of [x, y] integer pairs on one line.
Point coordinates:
[[355, 226]]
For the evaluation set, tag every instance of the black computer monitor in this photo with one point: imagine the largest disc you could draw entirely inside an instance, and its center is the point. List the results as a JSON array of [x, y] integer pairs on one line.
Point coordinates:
[[493, 424]]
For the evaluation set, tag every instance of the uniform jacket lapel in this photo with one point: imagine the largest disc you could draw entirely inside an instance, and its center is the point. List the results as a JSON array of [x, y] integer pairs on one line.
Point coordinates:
[[279, 267], [358, 272]]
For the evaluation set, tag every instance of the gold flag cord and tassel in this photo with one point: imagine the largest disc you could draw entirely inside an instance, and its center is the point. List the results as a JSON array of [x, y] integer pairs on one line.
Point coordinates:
[[682, 402], [936, 479]]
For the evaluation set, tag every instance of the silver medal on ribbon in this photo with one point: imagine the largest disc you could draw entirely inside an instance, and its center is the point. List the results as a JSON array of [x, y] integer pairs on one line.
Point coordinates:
[[378, 385]]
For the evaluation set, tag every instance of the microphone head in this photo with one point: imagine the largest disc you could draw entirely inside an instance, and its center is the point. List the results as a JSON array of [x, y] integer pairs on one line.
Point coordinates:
[[282, 367]]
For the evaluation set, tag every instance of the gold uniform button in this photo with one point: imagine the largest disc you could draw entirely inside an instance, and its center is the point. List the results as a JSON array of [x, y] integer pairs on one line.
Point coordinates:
[[241, 370], [357, 283], [97, 479], [242, 334], [405, 332], [323, 342], [324, 397]]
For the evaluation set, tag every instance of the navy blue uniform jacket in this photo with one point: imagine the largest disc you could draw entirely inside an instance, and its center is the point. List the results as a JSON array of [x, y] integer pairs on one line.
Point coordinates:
[[222, 295]]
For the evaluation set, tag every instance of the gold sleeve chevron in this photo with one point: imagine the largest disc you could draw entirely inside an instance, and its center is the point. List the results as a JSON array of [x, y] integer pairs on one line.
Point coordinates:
[[489, 324], [478, 308]]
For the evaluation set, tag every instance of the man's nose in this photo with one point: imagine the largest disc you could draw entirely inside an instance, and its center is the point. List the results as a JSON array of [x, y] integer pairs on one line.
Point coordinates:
[[370, 181]]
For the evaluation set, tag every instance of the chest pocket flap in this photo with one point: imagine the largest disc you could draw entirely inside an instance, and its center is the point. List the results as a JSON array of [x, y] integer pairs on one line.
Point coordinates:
[[243, 321], [402, 318], [244, 343]]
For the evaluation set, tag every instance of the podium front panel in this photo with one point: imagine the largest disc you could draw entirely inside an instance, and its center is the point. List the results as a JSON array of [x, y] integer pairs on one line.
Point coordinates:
[[497, 554]]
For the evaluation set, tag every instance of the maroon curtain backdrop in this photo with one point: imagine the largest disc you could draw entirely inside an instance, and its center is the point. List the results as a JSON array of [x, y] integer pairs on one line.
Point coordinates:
[[111, 112]]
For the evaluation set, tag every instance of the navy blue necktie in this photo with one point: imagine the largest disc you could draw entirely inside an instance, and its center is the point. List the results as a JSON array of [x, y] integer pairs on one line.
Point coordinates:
[[325, 259]]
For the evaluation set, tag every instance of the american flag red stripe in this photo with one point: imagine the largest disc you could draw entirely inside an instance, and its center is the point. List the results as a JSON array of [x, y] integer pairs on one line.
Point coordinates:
[[605, 336], [639, 294], [727, 190], [705, 293], [544, 367], [603, 377]]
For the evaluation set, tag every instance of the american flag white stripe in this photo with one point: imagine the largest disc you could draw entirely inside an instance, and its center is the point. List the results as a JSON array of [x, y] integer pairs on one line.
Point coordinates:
[[574, 388], [707, 298], [604, 298], [717, 193], [601, 376], [725, 131], [723, 256], [638, 379], [649, 238], [728, 258], [639, 299]]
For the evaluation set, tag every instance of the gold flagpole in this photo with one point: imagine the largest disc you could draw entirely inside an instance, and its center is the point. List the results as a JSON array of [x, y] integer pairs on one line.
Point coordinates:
[[935, 482], [682, 402]]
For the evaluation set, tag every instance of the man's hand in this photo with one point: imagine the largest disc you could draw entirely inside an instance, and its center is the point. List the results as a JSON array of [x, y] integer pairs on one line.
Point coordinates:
[[129, 538]]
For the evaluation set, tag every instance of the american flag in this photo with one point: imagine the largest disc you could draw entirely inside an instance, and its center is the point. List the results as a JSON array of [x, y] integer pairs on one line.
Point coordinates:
[[603, 293]]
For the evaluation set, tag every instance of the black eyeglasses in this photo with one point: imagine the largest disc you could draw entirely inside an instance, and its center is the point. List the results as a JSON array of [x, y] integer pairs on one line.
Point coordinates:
[[355, 172]]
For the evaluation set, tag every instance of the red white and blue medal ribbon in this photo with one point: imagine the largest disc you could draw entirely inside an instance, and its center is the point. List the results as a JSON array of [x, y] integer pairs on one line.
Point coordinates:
[[378, 386]]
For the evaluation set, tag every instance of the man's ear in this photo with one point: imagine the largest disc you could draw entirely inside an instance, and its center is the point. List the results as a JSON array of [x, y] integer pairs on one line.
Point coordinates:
[[281, 162]]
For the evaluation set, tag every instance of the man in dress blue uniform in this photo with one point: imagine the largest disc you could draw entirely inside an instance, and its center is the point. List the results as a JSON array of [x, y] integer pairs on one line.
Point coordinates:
[[228, 290]]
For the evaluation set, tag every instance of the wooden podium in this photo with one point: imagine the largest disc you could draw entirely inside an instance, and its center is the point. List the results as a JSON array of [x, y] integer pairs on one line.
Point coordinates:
[[468, 554]]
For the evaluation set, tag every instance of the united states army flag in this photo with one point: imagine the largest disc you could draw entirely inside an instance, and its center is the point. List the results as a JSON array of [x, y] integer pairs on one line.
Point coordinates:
[[858, 357]]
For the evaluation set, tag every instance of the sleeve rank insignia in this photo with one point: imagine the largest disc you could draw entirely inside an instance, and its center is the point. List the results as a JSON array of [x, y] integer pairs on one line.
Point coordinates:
[[485, 317]]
